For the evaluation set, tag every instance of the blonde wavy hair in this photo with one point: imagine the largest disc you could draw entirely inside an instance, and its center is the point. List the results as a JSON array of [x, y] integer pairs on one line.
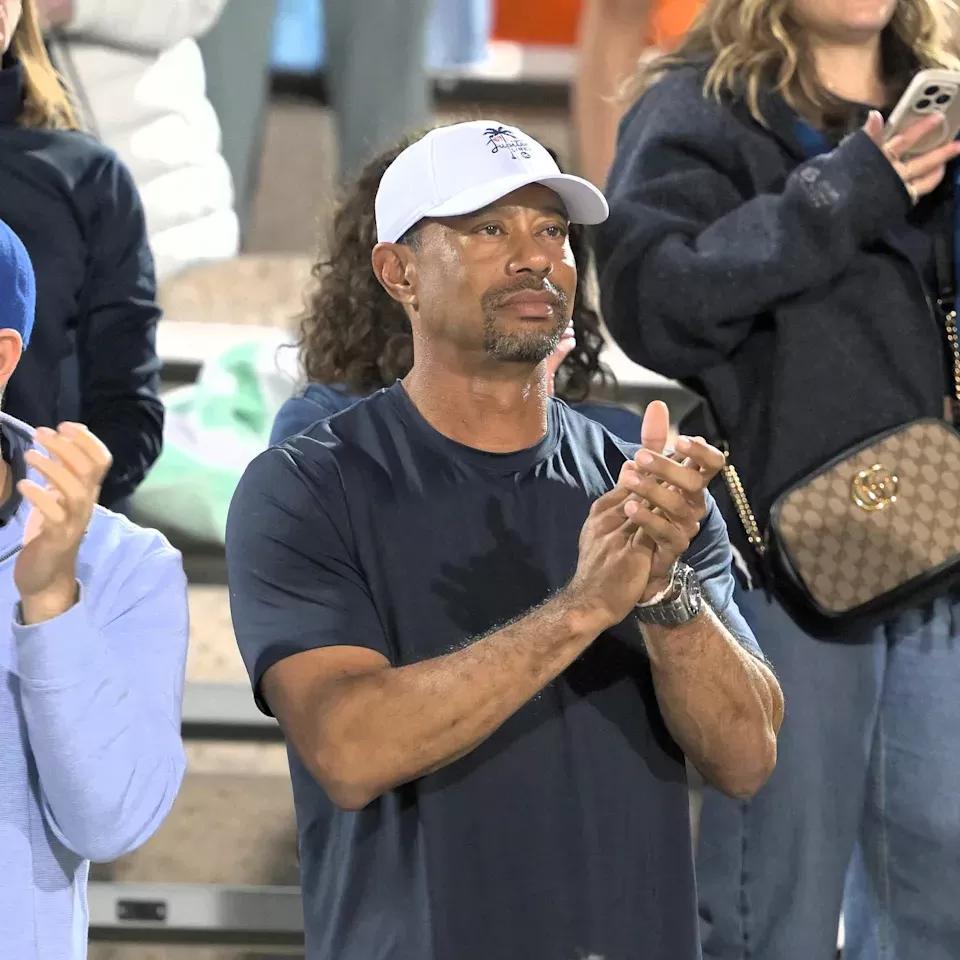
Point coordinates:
[[750, 46], [46, 101]]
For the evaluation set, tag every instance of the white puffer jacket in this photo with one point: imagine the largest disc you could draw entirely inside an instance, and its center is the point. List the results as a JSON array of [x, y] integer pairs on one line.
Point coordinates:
[[139, 81]]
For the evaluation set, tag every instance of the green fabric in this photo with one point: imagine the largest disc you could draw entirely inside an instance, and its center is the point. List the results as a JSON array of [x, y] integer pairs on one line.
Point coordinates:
[[214, 428]]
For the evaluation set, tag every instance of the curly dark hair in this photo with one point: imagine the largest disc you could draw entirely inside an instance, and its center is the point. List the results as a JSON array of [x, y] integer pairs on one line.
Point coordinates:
[[354, 334]]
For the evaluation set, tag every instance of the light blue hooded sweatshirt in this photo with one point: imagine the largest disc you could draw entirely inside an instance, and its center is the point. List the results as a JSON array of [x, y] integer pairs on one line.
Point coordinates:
[[91, 757]]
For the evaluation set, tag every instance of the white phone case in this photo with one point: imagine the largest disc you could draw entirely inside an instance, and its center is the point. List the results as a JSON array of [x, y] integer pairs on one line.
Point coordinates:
[[930, 91]]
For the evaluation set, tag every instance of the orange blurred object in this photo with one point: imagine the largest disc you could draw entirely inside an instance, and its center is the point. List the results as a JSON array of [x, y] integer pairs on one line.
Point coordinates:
[[670, 20], [551, 22], [554, 22]]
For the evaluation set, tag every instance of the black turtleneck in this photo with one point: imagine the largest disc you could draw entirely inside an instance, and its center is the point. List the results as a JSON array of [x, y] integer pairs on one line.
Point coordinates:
[[92, 355]]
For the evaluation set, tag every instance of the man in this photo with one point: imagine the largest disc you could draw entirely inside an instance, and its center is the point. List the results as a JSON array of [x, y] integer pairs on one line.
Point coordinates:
[[437, 593], [91, 668], [356, 339]]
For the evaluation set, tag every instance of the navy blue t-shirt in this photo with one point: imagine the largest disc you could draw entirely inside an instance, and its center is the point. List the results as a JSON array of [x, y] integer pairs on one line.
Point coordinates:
[[320, 400], [567, 832]]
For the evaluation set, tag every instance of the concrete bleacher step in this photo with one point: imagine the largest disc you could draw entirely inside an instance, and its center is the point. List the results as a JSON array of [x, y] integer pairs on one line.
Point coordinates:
[[262, 290], [131, 951], [268, 919], [225, 828], [233, 822]]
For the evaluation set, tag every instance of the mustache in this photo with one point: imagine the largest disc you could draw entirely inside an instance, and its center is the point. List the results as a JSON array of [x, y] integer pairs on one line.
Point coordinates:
[[493, 298]]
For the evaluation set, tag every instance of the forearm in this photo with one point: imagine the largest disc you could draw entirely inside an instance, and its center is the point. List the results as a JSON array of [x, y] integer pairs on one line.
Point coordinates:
[[117, 335], [109, 758], [742, 258], [133, 433], [395, 725], [720, 703], [612, 38]]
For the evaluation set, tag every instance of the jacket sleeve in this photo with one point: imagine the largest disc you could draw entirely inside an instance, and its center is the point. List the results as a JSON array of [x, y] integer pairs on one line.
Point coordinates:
[[119, 367], [102, 703], [689, 257], [154, 24]]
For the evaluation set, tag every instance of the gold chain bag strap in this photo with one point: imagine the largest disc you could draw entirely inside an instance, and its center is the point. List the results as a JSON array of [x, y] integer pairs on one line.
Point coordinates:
[[876, 528]]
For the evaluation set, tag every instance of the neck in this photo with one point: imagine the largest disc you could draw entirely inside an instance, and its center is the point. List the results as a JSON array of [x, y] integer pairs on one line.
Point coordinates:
[[851, 71], [494, 410]]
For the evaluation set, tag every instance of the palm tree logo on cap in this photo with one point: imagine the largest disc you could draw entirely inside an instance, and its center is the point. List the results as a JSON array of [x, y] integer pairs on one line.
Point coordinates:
[[502, 138]]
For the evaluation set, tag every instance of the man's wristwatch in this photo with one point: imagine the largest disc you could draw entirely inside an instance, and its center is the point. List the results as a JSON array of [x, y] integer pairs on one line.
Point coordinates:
[[682, 603]]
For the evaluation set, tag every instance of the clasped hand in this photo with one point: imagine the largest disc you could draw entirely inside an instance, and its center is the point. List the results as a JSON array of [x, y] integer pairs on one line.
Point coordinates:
[[667, 501], [635, 533]]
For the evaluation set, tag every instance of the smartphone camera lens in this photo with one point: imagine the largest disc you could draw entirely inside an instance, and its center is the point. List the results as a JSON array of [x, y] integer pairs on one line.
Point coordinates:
[[943, 98], [922, 104], [931, 91]]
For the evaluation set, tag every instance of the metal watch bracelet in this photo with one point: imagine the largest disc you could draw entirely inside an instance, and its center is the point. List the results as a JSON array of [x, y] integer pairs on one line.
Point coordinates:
[[684, 605]]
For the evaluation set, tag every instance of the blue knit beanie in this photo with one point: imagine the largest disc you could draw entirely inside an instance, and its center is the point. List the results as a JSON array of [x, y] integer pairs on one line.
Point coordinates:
[[18, 287]]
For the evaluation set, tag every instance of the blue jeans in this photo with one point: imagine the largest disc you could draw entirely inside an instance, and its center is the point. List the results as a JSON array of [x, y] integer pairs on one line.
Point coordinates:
[[863, 807]]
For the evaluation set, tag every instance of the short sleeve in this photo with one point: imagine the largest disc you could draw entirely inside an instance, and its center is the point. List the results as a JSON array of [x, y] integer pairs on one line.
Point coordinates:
[[711, 557], [294, 581]]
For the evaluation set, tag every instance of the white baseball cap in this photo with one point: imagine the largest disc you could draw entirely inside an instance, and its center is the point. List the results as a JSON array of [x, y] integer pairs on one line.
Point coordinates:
[[465, 167]]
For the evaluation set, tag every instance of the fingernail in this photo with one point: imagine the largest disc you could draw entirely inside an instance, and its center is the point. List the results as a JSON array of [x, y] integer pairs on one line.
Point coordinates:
[[683, 443], [644, 457]]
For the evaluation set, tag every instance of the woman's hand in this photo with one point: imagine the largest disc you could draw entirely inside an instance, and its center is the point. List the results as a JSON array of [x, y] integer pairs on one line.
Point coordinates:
[[921, 173]]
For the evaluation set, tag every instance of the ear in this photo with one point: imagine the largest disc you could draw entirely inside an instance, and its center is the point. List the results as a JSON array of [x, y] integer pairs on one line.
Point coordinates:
[[11, 349], [395, 265]]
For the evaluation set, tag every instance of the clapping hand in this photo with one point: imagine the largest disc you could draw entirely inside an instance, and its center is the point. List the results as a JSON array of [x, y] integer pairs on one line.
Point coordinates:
[[45, 574], [636, 532], [668, 493]]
